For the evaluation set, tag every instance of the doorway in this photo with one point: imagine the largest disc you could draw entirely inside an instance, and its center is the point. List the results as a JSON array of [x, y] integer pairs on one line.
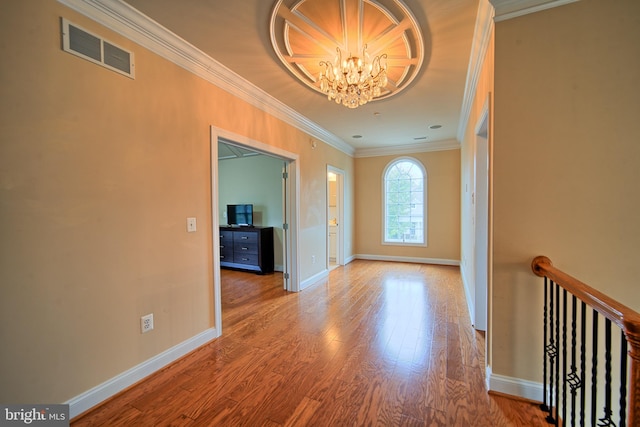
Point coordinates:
[[335, 217], [481, 223], [290, 210]]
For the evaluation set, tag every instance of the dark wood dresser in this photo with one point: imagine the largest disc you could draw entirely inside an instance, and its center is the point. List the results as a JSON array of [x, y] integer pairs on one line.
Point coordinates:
[[247, 248]]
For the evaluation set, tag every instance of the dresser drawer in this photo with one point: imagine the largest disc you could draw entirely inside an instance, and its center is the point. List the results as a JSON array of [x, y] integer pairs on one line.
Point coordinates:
[[245, 237], [226, 253], [243, 258], [240, 248], [226, 238]]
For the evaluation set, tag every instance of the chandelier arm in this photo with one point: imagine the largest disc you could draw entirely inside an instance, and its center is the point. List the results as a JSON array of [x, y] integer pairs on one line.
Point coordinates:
[[354, 81]]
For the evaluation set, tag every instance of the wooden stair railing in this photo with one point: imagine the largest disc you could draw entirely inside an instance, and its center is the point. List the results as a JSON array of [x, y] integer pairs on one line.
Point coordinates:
[[576, 376]]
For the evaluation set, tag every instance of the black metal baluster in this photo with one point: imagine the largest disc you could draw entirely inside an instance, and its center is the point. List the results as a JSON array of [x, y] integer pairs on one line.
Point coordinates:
[[583, 362], [551, 352], [544, 405], [606, 419], [594, 368], [557, 420], [564, 355], [573, 378]]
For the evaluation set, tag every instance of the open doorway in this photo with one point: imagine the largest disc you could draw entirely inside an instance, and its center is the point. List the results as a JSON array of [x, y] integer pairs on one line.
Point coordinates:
[[482, 230], [288, 207], [481, 223], [335, 217]]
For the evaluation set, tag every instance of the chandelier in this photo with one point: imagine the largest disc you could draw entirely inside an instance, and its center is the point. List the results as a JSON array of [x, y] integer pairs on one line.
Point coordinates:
[[354, 81]]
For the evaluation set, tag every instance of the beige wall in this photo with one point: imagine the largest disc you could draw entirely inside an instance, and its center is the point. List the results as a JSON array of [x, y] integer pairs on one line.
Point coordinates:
[[443, 204], [98, 174], [566, 158]]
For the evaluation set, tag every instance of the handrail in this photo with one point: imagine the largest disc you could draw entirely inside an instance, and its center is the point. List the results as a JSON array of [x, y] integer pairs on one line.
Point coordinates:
[[627, 319]]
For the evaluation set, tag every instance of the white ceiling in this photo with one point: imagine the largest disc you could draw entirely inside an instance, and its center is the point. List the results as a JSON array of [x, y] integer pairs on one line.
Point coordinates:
[[236, 34]]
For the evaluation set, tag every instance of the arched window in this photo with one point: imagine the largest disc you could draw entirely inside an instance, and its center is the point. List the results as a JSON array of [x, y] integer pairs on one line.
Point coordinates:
[[404, 192]]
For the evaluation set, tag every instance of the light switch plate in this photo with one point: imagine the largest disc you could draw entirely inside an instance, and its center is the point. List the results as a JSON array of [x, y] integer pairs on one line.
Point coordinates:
[[191, 225]]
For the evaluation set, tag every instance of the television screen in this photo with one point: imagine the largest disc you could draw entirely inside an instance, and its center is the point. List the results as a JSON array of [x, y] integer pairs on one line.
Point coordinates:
[[240, 214]]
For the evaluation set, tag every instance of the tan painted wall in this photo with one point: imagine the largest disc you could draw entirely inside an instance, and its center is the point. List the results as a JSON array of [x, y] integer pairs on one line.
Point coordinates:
[[443, 176], [565, 164], [98, 173]]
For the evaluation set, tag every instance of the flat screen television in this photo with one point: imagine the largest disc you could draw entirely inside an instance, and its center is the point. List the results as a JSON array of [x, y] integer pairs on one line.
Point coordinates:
[[240, 215]]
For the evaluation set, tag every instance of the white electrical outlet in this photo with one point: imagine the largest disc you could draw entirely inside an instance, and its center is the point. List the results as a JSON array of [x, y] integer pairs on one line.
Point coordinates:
[[146, 323]]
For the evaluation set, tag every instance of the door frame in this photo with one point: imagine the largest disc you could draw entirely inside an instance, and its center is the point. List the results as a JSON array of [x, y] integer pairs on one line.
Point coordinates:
[[292, 213], [340, 174], [481, 219]]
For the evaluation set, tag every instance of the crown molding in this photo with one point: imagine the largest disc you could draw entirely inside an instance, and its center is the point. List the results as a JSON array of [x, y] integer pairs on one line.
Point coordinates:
[[508, 9], [139, 28], [447, 144], [481, 37]]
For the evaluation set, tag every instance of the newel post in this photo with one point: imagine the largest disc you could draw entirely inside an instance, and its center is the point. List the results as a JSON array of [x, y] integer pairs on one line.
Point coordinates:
[[632, 332]]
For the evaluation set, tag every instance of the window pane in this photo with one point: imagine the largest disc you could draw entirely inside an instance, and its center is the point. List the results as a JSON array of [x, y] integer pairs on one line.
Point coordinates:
[[404, 202]]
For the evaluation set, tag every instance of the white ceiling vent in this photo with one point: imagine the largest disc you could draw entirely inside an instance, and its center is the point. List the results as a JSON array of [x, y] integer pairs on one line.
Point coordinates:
[[84, 44]]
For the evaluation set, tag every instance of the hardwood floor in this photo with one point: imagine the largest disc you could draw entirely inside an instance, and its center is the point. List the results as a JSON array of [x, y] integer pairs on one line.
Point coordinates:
[[378, 343]]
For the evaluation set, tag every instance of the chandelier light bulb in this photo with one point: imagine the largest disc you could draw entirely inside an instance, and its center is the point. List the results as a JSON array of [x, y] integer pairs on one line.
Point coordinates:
[[353, 81]]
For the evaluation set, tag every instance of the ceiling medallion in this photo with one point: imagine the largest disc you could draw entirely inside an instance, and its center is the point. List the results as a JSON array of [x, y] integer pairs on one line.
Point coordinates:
[[306, 34]]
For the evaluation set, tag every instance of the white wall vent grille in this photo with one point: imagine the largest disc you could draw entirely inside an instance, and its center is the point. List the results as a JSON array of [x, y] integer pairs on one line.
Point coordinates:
[[84, 44]]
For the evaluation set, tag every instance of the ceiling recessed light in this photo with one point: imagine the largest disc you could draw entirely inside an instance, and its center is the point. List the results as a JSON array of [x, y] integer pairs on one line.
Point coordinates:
[[435, 126], [356, 136]]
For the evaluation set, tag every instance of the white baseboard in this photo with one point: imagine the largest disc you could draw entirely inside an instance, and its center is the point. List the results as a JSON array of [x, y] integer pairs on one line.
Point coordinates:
[[487, 377], [349, 259], [102, 392], [515, 386], [314, 279], [437, 261], [467, 294]]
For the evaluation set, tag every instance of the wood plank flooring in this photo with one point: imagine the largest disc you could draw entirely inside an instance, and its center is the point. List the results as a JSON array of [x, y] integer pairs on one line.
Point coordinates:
[[377, 343]]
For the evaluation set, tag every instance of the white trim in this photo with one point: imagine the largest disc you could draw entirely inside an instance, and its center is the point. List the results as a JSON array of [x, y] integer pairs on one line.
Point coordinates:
[[509, 9], [215, 230], [111, 387], [125, 20], [444, 145], [349, 259], [467, 293], [481, 37], [436, 261], [482, 126], [293, 193], [314, 279], [487, 376], [515, 387]]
